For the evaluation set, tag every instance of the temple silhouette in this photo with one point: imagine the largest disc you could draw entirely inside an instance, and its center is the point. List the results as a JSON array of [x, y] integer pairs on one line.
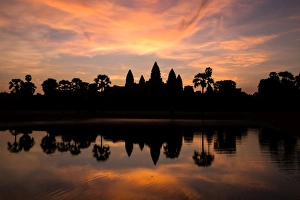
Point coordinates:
[[152, 94], [154, 86], [279, 92]]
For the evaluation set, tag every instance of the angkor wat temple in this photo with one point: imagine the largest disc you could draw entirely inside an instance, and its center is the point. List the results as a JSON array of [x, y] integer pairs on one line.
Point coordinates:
[[154, 87]]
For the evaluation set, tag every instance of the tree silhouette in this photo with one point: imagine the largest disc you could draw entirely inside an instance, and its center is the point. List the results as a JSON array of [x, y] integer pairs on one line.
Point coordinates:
[[75, 84], [15, 85], [92, 88], [286, 76], [269, 87], [200, 80], [203, 79], [50, 86], [287, 83], [203, 159], [225, 87], [101, 153], [102, 81], [209, 79], [64, 85], [84, 87], [27, 88], [297, 82], [274, 76], [278, 86]]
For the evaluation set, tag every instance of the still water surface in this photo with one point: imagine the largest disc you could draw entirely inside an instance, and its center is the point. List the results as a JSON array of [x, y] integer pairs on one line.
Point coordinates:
[[205, 163]]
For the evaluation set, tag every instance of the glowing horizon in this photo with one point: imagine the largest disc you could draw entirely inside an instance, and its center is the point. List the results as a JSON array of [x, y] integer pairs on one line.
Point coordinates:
[[240, 40]]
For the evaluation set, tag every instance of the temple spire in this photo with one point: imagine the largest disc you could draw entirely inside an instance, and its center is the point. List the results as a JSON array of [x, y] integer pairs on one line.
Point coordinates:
[[142, 80], [129, 79], [155, 74]]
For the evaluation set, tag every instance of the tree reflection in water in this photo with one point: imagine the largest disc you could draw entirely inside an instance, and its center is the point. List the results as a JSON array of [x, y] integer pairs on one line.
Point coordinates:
[[75, 149], [101, 153], [173, 145], [64, 145], [14, 147], [25, 142], [203, 159], [48, 143], [282, 149]]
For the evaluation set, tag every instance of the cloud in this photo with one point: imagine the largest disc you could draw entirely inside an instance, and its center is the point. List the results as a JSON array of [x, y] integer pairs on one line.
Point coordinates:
[[224, 34], [103, 27]]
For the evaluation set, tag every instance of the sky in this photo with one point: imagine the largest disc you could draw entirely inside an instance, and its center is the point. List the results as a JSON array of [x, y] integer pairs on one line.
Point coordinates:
[[241, 40]]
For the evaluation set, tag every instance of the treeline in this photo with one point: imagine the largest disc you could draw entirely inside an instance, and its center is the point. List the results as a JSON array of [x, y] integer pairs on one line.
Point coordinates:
[[280, 91]]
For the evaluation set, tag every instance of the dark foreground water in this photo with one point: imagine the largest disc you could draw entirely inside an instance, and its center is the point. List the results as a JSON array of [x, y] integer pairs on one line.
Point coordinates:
[[148, 163]]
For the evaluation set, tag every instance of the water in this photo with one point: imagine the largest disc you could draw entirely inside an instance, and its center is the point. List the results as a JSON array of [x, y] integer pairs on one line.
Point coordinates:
[[213, 162]]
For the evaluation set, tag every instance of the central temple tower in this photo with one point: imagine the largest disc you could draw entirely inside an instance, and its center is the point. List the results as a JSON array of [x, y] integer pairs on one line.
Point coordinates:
[[155, 77]]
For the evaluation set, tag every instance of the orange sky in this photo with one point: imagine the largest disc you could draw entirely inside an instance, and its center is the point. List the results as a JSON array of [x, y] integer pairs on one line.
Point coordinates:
[[239, 39]]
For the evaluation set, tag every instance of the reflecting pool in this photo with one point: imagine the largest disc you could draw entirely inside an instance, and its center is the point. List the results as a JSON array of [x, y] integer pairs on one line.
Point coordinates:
[[156, 163]]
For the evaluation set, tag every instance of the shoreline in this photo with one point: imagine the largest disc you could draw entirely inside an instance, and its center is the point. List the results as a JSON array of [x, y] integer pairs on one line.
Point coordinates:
[[286, 122], [119, 123]]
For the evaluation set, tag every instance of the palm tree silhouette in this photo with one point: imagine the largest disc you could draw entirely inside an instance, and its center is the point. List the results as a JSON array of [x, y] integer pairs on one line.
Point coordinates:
[[203, 79], [102, 81], [27, 88], [101, 153], [203, 159], [15, 85], [200, 79]]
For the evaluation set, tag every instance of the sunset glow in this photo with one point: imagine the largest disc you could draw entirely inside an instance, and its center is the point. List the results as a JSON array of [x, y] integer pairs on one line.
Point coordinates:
[[240, 40]]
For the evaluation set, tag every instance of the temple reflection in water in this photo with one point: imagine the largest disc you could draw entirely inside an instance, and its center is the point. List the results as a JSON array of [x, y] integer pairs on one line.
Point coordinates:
[[217, 141]]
